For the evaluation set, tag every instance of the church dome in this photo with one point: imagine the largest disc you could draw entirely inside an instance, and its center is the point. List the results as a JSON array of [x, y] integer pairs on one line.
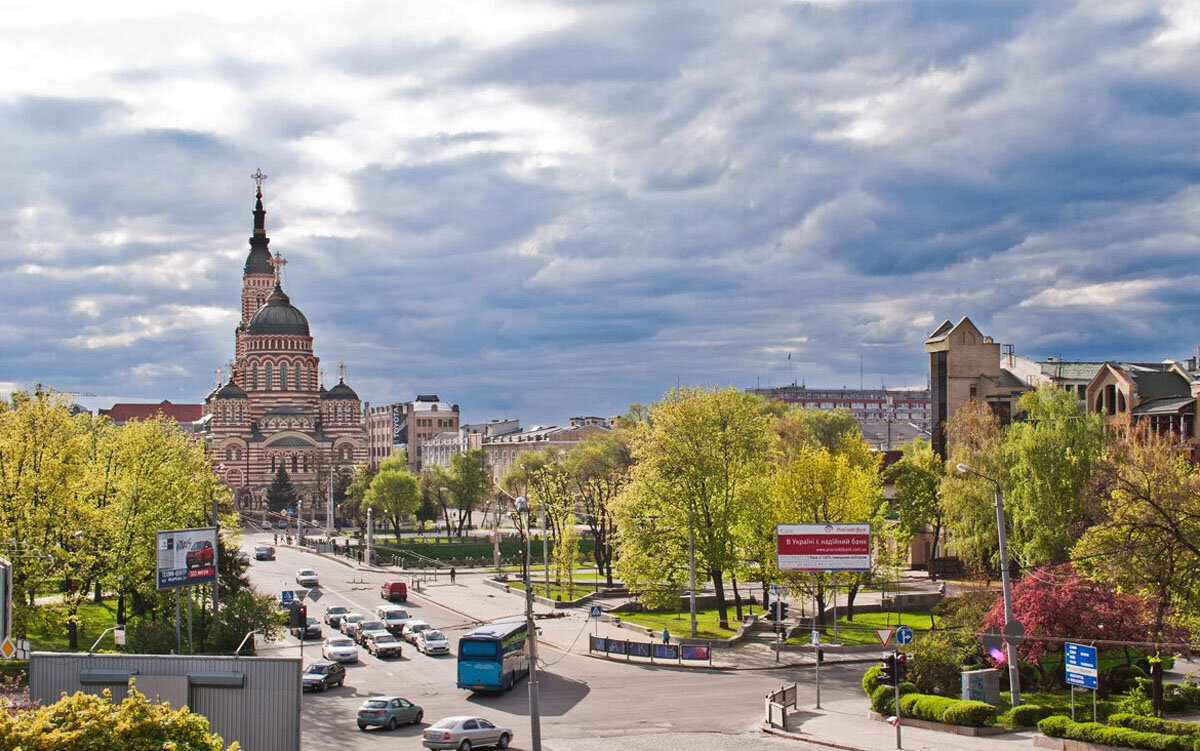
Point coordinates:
[[231, 391], [278, 316], [340, 391]]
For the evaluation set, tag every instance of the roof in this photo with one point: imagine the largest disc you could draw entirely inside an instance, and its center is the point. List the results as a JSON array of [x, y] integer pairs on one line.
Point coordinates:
[[1073, 371], [231, 391], [340, 391], [278, 411], [1169, 406], [125, 411], [278, 316], [1151, 384], [289, 442]]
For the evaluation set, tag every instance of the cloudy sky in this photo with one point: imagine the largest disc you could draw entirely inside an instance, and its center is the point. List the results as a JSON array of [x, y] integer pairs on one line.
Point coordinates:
[[550, 208]]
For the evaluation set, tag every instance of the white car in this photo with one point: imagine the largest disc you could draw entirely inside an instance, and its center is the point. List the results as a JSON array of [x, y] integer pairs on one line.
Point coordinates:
[[349, 623], [414, 627], [306, 577], [339, 648], [432, 642], [465, 733], [393, 616]]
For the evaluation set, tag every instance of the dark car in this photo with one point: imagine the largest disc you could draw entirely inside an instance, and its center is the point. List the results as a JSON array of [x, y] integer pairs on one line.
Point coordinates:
[[321, 676], [201, 554], [264, 553], [311, 631]]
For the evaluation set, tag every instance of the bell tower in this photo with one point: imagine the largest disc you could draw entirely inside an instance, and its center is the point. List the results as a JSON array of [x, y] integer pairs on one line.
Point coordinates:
[[258, 276]]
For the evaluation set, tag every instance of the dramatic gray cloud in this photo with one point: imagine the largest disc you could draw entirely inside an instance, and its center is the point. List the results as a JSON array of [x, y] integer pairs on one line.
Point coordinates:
[[547, 208]]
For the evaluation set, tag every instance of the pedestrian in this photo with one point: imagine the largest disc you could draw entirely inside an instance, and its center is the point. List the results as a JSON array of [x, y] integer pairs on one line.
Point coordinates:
[[452, 572], [666, 636]]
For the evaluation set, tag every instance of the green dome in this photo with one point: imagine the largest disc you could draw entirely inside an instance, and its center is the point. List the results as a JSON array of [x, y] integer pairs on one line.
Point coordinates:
[[278, 316], [340, 391]]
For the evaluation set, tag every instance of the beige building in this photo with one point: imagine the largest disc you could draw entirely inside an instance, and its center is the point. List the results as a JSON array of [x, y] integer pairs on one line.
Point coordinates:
[[440, 448], [1162, 397], [382, 426], [503, 450]]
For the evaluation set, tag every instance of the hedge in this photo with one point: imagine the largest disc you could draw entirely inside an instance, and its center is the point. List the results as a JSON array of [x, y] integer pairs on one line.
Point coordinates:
[[1026, 715], [1155, 725], [883, 698], [1095, 732], [871, 678], [950, 711]]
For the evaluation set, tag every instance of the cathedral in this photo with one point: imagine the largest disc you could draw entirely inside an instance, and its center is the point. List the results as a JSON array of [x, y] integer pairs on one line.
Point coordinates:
[[274, 410]]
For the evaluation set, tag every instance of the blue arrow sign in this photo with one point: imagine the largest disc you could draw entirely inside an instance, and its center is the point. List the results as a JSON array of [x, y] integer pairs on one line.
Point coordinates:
[[904, 635], [1082, 666], [595, 611]]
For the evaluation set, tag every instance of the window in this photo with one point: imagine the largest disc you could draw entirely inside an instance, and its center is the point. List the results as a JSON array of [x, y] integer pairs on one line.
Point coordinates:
[[228, 455], [296, 379], [470, 725], [269, 376], [305, 464], [294, 464], [272, 463], [283, 376], [254, 376]]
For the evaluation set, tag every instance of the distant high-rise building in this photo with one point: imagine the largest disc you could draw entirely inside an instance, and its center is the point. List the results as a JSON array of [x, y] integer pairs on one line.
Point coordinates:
[[888, 417], [408, 426]]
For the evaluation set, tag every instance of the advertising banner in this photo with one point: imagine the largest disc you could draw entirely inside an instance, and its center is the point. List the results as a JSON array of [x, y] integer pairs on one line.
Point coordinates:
[[665, 651], [187, 557], [823, 547], [639, 649], [617, 646], [694, 652], [596, 643]]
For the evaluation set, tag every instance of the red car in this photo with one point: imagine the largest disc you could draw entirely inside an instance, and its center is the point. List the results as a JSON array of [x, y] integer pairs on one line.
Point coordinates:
[[201, 554]]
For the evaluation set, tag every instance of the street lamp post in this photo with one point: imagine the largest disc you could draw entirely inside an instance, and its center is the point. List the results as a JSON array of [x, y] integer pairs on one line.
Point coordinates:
[[535, 718], [1014, 676]]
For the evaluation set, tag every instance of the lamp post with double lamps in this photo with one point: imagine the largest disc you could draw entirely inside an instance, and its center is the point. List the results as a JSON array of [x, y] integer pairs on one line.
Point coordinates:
[[535, 717], [1014, 676]]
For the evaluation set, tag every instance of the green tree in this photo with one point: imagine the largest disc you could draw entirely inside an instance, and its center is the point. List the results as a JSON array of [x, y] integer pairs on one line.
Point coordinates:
[[918, 478], [88, 721], [436, 491], [695, 462], [281, 494], [394, 493], [968, 504], [471, 480], [548, 486], [242, 613], [599, 467]]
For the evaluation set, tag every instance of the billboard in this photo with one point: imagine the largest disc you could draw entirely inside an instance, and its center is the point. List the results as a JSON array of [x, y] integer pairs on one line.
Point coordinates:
[[823, 547], [187, 557]]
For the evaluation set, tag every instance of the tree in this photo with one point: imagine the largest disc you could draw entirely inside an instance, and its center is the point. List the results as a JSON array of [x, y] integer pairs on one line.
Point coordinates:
[[436, 492], [599, 467], [968, 504], [918, 477], [471, 480], [394, 493], [548, 487], [695, 462], [88, 721], [1047, 459], [798, 427], [281, 494]]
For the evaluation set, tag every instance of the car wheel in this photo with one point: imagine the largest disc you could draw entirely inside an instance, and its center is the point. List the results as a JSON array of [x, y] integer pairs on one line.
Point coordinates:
[[324, 686], [465, 745], [420, 716], [503, 742], [391, 724], [362, 728]]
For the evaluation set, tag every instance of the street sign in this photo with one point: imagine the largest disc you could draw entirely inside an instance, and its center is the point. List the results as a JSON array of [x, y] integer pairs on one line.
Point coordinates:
[[595, 611], [286, 597], [1082, 666], [816, 638], [301, 594], [884, 634], [992, 641], [314, 594], [904, 635], [8, 650], [1014, 632]]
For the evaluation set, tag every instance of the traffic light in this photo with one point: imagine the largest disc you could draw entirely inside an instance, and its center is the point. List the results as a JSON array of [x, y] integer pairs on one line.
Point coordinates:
[[298, 616], [778, 610], [901, 667], [888, 678]]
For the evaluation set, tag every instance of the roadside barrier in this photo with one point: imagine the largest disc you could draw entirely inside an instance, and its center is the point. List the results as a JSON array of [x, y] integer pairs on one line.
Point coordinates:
[[655, 651]]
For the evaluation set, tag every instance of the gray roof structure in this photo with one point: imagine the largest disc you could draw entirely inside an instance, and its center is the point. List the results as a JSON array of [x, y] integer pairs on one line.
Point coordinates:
[[278, 316]]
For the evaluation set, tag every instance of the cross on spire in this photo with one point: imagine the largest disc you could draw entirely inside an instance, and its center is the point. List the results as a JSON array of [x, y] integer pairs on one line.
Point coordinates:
[[258, 176], [220, 373], [278, 262], [341, 371], [322, 374]]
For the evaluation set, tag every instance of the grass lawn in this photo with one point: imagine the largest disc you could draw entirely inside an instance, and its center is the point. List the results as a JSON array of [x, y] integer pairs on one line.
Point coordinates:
[[862, 629], [51, 634], [584, 584], [679, 623]]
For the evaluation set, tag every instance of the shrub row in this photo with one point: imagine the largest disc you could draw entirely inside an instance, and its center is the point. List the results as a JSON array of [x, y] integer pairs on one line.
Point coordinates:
[[1026, 715], [1155, 725], [1095, 732], [883, 698], [871, 678], [950, 711]]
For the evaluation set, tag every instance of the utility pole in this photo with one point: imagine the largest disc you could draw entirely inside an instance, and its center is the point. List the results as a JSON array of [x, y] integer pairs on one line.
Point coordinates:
[[545, 553], [216, 520], [692, 570], [535, 715], [370, 538]]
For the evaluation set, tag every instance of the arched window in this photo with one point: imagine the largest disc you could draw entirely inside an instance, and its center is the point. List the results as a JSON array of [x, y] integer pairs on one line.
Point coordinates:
[[296, 379], [237, 454], [228, 455], [283, 376], [305, 464], [269, 375], [272, 462], [254, 376], [294, 470], [259, 302]]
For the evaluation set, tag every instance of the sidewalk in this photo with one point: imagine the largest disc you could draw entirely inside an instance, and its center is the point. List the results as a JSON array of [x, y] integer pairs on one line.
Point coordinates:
[[844, 724]]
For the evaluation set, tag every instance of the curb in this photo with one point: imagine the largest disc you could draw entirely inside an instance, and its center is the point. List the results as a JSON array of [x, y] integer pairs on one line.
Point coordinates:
[[766, 728]]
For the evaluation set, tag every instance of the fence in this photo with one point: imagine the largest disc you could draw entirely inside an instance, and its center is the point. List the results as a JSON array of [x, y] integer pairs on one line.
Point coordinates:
[[778, 702], [655, 651]]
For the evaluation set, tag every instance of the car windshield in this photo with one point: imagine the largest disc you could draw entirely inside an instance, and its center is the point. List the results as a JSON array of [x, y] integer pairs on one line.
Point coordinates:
[[432, 635], [372, 625], [312, 621], [261, 550], [341, 643], [355, 617], [445, 724], [336, 610], [381, 639], [420, 627], [396, 615], [375, 704], [307, 572], [317, 669]]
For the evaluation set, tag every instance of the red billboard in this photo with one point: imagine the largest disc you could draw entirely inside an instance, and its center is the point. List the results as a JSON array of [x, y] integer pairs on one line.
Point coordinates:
[[823, 547]]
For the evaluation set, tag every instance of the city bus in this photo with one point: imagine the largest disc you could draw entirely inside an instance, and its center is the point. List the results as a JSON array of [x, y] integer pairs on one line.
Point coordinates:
[[493, 657]]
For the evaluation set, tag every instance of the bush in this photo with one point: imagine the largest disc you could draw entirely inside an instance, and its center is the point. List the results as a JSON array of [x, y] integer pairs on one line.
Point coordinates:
[[883, 698], [1137, 701], [947, 710], [1095, 732], [146, 637], [1155, 725], [971, 713], [871, 678], [936, 664], [1026, 715], [1120, 678]]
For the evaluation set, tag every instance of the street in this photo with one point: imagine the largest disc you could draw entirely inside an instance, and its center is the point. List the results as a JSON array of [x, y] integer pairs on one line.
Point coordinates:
[[582, 698]]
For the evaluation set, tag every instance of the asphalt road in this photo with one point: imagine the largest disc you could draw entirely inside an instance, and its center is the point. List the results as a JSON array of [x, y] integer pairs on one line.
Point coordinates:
[[583, 700]]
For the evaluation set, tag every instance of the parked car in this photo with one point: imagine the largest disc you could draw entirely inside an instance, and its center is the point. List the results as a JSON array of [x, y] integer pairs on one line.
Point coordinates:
[[264, 553], [349, 623], [306, 577], [339, 648], [388, 712], [394, 591], [383, 644], [432, 642], [201, 554], [412, 628], [243, 557], [367, 627], [334, 613], [311, 631], [322, 676], [463, 732], [393, 616]]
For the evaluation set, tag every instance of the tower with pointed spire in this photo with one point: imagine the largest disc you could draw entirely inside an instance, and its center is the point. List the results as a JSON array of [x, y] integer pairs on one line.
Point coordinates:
[[273, 411]]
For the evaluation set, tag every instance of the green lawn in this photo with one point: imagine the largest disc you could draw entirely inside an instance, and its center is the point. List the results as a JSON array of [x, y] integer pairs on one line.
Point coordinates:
[[862, 629], [679, 623], [584, 584], [51, 634]]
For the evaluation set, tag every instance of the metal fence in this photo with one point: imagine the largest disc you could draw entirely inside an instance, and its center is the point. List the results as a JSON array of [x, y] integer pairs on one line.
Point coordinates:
[[655, 651], [778, 702]]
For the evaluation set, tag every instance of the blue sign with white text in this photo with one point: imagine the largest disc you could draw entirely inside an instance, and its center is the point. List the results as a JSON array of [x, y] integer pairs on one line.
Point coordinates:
[[1082, 666], [286, 597]]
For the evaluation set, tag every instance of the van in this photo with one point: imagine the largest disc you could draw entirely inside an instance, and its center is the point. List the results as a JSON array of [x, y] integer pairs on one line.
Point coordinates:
[[394, 591], [393, 616]]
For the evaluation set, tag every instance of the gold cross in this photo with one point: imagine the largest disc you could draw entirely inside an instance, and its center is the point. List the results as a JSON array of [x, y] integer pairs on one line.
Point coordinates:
[[341, 370], [322, 373], [278, 262], [219, 374], [258, 176]]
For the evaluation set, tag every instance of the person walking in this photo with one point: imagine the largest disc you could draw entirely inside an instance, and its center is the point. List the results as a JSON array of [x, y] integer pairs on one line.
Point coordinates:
[[452, 573], [666, 636]]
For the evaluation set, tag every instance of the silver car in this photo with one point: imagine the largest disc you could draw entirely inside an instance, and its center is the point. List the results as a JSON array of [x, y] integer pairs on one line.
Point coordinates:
[[306, 577], [464, 732], [349, 623]]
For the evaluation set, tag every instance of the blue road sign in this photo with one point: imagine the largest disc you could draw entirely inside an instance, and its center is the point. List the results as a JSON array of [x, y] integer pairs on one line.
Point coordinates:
[[287, 596], [595, 611], [1082, 666], [816, 638], [904, 635]]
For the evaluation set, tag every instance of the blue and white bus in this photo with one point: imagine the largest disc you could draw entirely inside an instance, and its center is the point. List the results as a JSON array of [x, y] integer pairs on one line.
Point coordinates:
[[494, 657]]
